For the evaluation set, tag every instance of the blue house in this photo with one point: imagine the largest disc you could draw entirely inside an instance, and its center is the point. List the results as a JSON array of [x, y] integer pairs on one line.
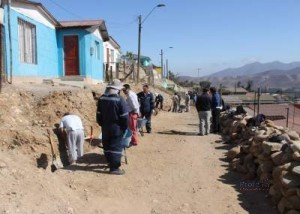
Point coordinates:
[[44, 48]]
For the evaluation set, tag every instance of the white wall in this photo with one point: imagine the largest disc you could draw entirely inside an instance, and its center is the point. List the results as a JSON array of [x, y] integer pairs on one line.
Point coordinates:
[[113, 59], [1, 16], [32, 12], [96, 33]]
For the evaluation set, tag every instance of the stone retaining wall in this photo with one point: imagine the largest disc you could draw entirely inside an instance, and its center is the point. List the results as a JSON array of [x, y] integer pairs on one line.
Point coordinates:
[[267, 153]]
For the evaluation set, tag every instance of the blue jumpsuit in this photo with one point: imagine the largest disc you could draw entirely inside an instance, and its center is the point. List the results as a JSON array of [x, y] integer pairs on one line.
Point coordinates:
[[112, 116], [146, 107]]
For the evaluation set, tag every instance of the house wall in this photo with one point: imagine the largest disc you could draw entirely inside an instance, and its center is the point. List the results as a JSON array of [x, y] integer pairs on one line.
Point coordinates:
[[94, 63], [89, 65], [47, 56], [116, 56]]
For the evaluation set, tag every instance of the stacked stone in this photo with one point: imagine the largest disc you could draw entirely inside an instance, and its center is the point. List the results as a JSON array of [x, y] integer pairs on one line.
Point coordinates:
[[268, 153]]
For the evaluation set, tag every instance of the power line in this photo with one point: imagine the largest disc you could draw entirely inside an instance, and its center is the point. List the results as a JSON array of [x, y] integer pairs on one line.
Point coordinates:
[[66, 10], [116, 24]]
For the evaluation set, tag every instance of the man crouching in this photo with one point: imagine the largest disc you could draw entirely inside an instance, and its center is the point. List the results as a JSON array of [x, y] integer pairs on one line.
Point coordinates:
[[71, 125]]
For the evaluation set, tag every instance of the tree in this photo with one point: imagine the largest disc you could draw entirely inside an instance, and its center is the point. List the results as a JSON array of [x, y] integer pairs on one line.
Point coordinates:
[[249, 85], [171, 76], [192, 83], [239, 84], [205, 84]]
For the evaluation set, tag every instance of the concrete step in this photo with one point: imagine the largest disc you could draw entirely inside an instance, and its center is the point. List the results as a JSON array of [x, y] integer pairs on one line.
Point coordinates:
[[72, 78], [66, 82]]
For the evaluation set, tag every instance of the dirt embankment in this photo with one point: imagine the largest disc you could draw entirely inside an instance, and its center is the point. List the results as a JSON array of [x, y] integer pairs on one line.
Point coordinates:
[[172, 170], [27, 111], [25, 116]]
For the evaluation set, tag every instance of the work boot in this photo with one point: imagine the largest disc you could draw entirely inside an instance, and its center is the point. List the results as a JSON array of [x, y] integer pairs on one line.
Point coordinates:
[[117, 172]]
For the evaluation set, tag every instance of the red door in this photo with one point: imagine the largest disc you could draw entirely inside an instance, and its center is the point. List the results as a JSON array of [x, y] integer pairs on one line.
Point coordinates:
[[71, 55]]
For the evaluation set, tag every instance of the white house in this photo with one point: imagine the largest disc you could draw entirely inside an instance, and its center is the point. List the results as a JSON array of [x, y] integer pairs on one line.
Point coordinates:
[[112, 53]]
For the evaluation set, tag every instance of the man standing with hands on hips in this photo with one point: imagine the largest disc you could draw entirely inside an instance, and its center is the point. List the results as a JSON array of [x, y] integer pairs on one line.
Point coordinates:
[[134, 111], [146, 100]]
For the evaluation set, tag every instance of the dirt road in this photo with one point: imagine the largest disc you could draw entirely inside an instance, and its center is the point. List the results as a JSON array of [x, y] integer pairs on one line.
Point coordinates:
[[172, 171]]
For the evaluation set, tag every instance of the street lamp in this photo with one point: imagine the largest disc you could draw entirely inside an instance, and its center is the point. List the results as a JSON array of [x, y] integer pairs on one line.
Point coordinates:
[[198, 72], [163, 73], [139, 39]]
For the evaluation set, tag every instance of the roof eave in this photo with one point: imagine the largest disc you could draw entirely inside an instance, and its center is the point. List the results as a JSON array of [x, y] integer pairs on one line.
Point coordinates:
[[114, 42], [43, 9], [104, 32]]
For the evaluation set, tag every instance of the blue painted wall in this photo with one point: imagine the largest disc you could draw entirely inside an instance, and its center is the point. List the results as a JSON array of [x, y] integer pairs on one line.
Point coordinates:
[[47, 54], [89, 64]]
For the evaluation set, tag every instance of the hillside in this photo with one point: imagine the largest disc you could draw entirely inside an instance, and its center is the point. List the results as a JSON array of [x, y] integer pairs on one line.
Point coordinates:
[[255, 68], [270, 78]]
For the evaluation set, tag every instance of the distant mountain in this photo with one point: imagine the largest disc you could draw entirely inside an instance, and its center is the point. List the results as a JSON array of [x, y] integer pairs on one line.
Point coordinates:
[[255, 68], [271, 78]]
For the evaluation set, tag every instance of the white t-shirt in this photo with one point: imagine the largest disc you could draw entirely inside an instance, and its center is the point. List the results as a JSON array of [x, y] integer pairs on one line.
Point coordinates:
[[71, 123], [133, 102]]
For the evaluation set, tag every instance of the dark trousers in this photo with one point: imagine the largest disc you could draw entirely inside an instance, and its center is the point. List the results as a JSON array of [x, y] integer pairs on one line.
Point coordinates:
[[161, 104], [147, 115], [216, 120], [113, 149]]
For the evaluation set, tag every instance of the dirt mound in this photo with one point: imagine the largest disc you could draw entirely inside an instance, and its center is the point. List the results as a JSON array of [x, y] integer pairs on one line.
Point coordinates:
[[27, 111], [25, 116]]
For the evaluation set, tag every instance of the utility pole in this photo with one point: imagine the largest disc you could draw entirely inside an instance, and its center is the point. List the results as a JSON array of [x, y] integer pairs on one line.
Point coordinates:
[[1, 53], [10, 42], [139, 50], [167, 68], [254, 104], [258, 100], [139, 39], [287, 116], [198, 72], [162, 62]]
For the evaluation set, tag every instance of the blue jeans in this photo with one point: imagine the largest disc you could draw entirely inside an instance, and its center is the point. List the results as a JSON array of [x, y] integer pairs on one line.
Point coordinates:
[[204, 126], [147, 115]]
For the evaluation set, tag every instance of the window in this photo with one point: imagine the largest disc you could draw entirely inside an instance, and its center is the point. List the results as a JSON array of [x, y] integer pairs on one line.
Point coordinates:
[[97, 50], [112, 55], [27, 42]]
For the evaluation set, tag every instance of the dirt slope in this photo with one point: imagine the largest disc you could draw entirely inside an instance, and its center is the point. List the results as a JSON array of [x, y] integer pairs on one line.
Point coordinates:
[[171, 171]]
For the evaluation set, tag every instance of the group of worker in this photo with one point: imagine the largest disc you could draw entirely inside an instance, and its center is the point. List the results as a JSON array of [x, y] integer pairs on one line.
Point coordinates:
[[209, 105], [115, 115], [176, 102]]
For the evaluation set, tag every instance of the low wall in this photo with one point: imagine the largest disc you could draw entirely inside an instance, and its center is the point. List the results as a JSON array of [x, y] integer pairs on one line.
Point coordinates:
[[269, 154]]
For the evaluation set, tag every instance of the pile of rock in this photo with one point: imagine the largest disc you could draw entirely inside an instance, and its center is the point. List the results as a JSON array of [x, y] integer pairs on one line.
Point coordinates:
[[268, 153]]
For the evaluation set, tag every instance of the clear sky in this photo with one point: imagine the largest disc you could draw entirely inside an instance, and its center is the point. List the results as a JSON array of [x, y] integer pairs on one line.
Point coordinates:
[[207, 34]]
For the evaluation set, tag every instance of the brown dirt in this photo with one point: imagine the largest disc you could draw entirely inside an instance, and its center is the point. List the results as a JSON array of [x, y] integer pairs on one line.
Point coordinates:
[[172, 170]]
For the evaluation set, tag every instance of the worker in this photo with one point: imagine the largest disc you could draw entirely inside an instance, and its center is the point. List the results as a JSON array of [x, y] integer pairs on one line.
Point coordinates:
[[175, 100], [187, 102], [146, 100], [179, 103], [112, 116], [203, 106], [71, 127], [134, 112], [159, 100], [216, 109]]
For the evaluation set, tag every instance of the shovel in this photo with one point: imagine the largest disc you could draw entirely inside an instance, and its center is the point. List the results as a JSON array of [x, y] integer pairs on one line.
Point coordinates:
[[56, 162]]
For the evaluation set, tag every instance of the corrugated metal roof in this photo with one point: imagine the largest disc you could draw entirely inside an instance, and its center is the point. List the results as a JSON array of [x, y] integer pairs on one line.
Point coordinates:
[[114, 43], [42, 9], [87, 24]]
